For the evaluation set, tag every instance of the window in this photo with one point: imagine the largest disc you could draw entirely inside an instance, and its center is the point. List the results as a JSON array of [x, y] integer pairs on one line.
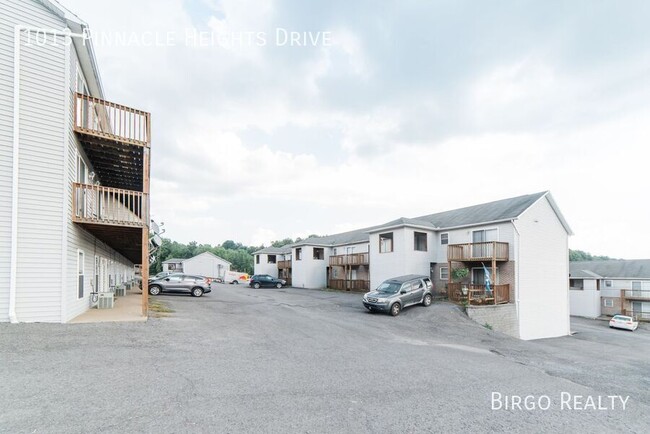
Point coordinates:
[[257, 259], [608, 283], [636, 286], [576, 284], [420, 241], [608, 302], [80, 274], [444, 273], [299, 254], [386, 243], [319, 253], [444, 238], [484, 235], [270, 259], [334, 251]]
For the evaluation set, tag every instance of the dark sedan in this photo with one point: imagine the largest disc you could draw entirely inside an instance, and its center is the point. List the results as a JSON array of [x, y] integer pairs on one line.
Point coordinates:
[[195, 285], [259, 280]]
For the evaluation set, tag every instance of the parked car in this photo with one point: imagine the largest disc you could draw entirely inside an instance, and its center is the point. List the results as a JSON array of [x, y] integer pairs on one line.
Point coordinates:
[[178, 282], [160, 275], [623, 322], [259, 280], [395, 294]]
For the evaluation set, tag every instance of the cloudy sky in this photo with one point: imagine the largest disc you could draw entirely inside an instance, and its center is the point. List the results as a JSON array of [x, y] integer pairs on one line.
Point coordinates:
[[383, 109]]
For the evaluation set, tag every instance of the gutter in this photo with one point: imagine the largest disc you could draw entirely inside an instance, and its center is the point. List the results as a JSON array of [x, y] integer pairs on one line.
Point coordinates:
[[18, 29]]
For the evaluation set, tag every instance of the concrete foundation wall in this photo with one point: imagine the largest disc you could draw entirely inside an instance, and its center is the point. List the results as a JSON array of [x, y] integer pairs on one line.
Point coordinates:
[[502, 317]]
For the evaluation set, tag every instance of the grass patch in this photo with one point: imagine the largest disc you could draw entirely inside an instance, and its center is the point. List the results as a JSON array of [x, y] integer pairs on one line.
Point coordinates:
[[487, 326], [158, 309]]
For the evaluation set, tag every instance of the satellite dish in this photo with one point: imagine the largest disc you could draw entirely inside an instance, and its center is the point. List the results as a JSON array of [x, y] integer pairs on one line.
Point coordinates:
[[156, 240], [154, 227]]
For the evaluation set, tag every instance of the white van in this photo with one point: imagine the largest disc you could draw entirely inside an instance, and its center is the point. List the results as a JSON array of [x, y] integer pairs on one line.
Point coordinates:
[[236, 277]]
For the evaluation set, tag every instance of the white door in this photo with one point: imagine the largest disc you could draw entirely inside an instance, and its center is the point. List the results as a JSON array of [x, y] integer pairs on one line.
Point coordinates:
[[103, 275]]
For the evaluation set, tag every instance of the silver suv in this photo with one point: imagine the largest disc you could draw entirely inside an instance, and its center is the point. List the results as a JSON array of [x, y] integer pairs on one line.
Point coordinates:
[[395, 294]]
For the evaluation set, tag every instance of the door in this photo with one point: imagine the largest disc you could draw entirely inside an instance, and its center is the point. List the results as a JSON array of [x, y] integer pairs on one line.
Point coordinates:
[[82, 173], [418, 291], [103, 275], [173, 282], [479, 238]]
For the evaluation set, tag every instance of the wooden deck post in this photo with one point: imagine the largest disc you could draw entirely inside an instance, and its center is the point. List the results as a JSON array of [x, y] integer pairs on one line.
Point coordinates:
[[145, 231], [494, 277]]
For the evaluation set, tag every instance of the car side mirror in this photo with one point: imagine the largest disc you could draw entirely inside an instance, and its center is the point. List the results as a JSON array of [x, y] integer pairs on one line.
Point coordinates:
[[403, 291], [167, 279]]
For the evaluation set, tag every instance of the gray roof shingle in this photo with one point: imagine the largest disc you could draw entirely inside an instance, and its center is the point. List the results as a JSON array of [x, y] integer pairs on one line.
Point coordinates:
[[500, 210], [612, 269]]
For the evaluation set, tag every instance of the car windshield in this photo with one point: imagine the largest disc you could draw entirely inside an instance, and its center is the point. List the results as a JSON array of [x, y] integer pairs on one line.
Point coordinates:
[[389, 287]]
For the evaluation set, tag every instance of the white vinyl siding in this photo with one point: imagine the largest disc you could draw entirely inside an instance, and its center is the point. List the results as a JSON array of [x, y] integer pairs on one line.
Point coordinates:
[[543, 285], [40, 209]]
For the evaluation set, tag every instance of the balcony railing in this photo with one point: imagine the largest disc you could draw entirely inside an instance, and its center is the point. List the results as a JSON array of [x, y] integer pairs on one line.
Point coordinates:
[[106, 205], [108, 120], [486, 251], [349, 285], [478, 294], [635, 294], [351, 259], [284, 264]]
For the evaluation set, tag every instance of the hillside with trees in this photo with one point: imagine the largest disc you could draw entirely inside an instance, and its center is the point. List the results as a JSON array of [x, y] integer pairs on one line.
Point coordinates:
[[579, 255], [239, 255]]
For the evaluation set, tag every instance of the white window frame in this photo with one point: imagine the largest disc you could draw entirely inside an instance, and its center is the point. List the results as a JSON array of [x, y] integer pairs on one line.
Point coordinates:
[[632, 285], [81, 272], [441, 276], [392, 242], [471, 235], [426, 241], [608, 283], [447, 243], [608, 302]]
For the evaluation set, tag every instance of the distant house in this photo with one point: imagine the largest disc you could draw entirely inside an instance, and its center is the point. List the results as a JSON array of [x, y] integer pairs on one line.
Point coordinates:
[[520, 243], [610, 287], [205, 264], [173, 265]]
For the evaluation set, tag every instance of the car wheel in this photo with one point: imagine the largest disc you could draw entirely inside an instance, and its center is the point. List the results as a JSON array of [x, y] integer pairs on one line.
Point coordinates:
[[256, 285], [278, 285], [154, 290], [395, 309], [235, 282], [426, 301], [197, 292]]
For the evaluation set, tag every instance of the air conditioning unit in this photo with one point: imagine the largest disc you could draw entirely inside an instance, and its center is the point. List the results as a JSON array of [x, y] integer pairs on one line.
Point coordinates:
[[120, 291], [105, 301]]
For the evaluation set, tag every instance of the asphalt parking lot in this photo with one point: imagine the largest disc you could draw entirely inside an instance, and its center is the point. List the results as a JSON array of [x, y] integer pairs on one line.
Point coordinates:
[[296, 360]]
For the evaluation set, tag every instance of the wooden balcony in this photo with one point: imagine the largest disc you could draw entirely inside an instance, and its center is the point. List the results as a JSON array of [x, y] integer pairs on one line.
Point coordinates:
[[349, 285], [115, 216], [284, 265], [487, 251], [111, 121], [108, 206], [351, 259], [116, 140], [635, 294], [477, 295]]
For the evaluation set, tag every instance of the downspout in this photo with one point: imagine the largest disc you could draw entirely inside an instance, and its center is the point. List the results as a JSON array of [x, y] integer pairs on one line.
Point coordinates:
[[18, 29], [517, 265]]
